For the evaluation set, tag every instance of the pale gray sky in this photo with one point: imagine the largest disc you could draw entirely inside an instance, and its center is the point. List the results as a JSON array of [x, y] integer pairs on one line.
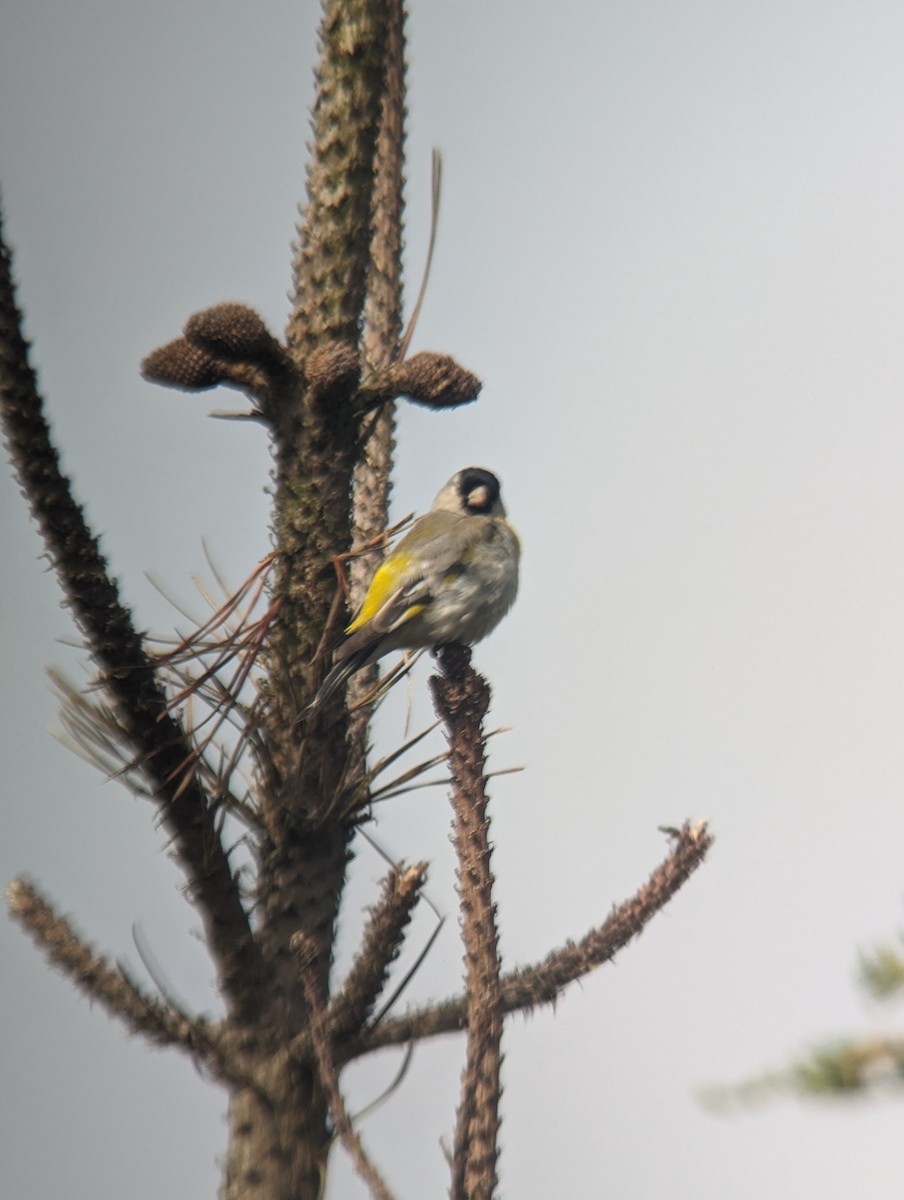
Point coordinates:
[[672, 245]]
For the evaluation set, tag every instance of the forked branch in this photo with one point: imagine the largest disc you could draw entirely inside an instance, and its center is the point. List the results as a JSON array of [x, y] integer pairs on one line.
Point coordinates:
[[542, 983]]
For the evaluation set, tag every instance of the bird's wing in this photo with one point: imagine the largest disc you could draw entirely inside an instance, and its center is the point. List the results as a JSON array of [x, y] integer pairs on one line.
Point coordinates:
[[404, 589], [384, 596]]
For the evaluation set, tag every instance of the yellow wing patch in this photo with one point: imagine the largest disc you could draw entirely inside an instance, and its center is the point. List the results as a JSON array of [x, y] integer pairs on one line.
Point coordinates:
[[384, 585]]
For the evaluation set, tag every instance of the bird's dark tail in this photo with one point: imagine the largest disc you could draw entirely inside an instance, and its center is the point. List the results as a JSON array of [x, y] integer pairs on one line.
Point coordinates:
[[336, 679]]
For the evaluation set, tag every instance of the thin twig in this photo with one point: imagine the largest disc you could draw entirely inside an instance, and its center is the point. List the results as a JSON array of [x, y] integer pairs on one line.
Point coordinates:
[[305, 951], [389, 1002]]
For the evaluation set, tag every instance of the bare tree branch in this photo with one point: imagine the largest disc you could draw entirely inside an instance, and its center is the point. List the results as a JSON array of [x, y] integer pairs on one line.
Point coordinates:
[[380, 946], [382, 329], [383, 306], [305, 951], [542, 983], [127, 673], [462, 698], [331, 261], [316, 437], [106, 984]]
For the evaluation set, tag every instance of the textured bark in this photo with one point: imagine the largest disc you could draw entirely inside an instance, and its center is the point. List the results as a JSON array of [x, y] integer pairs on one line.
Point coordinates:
[[382, 331], [383, 938], [315, 994], [306, 848], [278, 1137], [462, 699]]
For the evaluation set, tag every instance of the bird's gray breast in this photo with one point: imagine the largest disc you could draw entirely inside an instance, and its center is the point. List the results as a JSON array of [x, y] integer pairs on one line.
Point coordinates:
[[473, 594]]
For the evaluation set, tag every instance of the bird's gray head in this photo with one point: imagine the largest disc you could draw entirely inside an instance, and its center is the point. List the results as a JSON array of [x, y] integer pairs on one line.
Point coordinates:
[[473, 492]]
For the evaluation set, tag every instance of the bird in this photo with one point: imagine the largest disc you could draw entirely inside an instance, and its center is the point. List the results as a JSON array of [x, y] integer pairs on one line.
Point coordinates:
[[452, 578]]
